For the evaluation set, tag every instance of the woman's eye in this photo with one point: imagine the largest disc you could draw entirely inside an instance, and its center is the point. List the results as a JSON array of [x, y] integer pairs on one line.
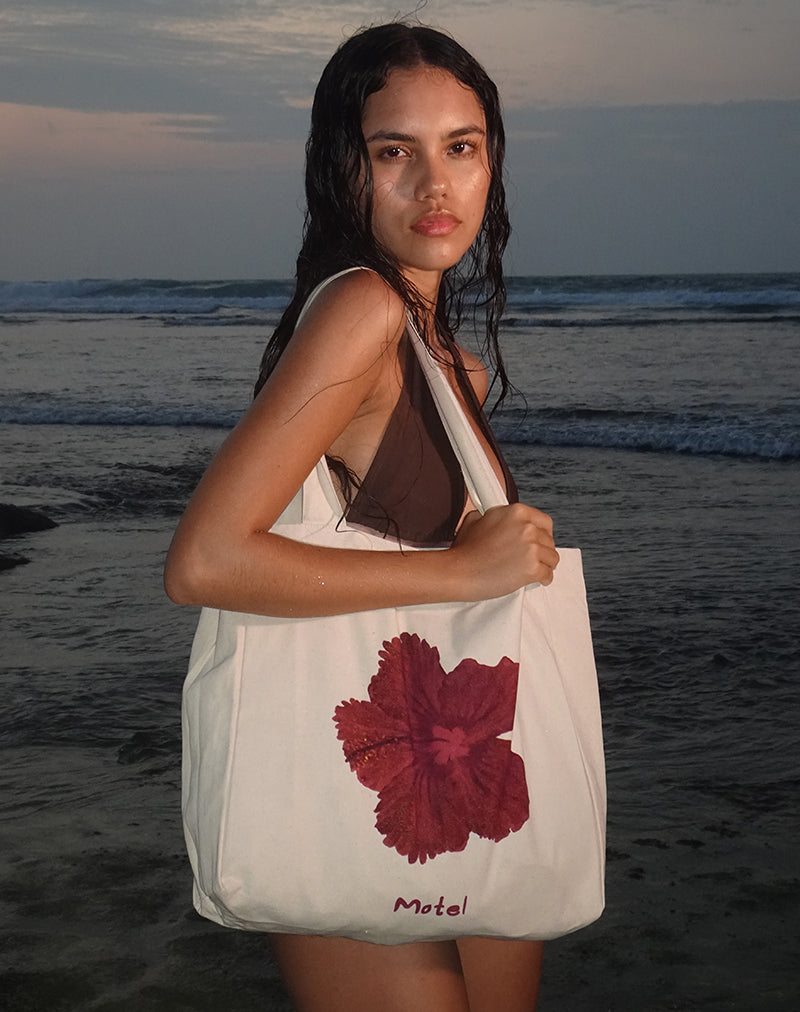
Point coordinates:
[[392, 153], [463, 148]]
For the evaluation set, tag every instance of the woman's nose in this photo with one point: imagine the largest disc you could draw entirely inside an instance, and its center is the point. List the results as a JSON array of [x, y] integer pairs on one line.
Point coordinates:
[[431, 180]]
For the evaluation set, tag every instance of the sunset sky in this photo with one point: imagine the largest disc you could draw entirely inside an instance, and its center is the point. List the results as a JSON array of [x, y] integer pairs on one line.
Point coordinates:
[[164, 138]]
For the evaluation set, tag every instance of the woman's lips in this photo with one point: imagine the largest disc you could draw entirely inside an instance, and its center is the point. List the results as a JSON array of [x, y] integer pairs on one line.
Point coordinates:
[[435, 223]]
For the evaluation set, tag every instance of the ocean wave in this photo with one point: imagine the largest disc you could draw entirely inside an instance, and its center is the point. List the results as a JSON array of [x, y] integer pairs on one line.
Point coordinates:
[[142, 297], [585, 321], [55, 412], [775, 437], [735, 294]]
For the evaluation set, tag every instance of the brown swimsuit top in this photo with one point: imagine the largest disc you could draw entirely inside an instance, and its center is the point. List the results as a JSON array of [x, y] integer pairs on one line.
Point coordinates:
[[414, 489]]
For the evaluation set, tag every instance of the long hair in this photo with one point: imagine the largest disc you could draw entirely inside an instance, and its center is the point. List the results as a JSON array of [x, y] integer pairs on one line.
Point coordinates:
[[337, 231]]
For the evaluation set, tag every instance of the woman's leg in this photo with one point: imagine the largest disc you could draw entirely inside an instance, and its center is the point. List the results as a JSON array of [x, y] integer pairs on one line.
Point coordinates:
[[342, 975], [501, 974]]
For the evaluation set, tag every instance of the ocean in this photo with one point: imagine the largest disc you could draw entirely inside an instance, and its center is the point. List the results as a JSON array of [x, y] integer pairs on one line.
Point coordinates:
[[657, 419]]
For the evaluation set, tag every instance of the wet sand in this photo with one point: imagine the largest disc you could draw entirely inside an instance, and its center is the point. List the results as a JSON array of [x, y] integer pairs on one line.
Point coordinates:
[[103, 921]]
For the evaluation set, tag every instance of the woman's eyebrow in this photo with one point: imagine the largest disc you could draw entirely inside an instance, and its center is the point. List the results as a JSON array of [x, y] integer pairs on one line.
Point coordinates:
[[389, 135], [394, 135]]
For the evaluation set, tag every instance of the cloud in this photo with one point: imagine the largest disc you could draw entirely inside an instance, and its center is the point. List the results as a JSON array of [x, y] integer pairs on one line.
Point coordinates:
[[658, 189], [596, 52], [165, 136], [205, 58], [50, 143], [233, 57]]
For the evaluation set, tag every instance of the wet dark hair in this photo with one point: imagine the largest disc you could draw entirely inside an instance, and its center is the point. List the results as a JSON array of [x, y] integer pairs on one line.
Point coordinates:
[[337, 231]]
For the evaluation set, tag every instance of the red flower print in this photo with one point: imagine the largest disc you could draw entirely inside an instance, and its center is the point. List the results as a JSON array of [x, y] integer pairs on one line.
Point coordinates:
[[427, 742]]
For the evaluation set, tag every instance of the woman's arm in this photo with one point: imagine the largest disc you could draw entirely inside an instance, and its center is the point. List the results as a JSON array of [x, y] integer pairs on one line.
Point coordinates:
[[330, 391]]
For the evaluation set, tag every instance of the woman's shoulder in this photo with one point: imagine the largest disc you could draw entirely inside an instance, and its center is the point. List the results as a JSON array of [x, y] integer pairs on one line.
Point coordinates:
[[476, 372], [358, 303]]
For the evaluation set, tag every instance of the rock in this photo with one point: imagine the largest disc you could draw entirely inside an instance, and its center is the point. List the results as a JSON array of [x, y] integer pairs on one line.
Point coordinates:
[[9, 561], [21, 520]]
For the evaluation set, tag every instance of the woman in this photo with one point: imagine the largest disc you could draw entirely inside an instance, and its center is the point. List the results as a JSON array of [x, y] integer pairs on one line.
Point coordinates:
[[404, 177]]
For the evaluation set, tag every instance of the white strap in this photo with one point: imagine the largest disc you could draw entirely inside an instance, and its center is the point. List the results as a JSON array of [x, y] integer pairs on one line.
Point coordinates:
[[481, 480], [324, 284]]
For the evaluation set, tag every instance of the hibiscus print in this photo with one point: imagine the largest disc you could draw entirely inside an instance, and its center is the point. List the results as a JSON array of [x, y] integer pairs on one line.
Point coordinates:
[[427, 742]]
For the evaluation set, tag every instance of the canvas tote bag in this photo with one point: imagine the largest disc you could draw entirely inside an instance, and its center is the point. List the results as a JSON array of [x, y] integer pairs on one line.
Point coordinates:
[[400, 774]]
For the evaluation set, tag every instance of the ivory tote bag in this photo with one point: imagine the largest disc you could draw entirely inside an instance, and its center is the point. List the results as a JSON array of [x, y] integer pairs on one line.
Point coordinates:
[[399, 774]]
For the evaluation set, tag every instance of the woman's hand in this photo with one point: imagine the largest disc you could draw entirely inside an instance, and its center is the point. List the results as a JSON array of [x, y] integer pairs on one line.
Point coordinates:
[[506, 548]]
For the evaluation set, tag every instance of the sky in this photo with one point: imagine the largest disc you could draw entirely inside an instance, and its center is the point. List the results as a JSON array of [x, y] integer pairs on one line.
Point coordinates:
[[164, 138]]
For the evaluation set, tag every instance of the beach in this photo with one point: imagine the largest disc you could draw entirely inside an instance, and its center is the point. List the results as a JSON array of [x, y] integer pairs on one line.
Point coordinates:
[[660, 426]]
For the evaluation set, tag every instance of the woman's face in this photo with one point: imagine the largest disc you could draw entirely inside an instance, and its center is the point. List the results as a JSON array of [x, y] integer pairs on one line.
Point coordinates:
[[426, 137]]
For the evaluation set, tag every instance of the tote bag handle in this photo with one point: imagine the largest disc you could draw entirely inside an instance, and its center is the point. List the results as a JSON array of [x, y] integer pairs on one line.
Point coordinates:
[[483, 485]]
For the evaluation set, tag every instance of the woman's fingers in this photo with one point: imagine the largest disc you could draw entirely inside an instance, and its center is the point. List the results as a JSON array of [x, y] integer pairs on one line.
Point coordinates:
[[506, 548]]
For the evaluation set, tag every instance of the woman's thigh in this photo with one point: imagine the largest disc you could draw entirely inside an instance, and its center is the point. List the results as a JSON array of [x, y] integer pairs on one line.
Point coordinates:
[[471, 975], [501, 973], [343, 975]]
